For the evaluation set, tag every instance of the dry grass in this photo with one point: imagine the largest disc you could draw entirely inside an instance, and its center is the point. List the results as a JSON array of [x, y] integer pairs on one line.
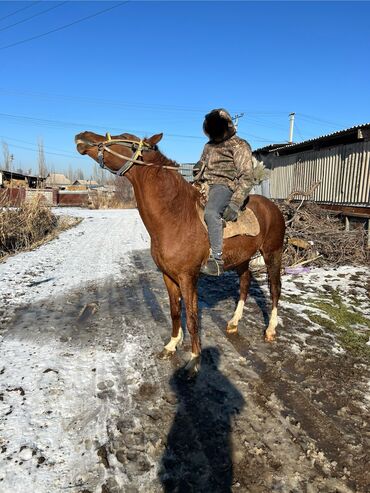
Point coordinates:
[[109, 201], [28, 226]]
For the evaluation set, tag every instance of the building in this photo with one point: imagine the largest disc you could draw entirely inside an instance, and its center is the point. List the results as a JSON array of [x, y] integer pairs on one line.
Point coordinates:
[[19, 180], [339, 162], [57, 180], [186, 170], [85, 184]]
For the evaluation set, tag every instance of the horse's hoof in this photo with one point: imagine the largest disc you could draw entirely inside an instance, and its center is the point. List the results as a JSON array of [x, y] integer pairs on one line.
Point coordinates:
[[270, 337], [231, 329], [192, 368], [165, 354]]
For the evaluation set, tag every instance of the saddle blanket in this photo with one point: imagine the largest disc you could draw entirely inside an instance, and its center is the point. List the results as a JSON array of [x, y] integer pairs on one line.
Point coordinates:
[[246, 224]]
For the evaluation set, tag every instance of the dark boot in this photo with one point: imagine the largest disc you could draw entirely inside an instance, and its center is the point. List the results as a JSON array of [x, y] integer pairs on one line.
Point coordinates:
[[213, 267]]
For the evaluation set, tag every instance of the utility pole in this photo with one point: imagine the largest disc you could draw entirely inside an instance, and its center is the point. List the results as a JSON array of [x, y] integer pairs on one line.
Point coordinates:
[[291, 127], [236, 119], [42, 163]]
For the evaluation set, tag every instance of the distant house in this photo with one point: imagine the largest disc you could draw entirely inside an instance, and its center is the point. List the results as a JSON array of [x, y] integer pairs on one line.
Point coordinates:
[[86, 183], [57, 180]]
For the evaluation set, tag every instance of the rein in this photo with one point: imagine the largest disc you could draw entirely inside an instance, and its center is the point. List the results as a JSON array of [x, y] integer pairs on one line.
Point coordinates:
[[136, 147]]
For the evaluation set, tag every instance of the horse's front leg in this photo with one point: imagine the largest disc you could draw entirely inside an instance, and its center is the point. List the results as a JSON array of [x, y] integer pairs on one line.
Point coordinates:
[[188, 286], [174, 294]]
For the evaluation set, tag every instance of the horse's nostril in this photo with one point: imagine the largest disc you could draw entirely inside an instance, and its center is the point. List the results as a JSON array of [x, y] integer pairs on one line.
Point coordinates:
[[81, 148]]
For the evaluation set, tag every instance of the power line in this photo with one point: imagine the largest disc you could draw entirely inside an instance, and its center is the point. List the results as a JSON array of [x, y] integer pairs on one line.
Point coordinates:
[[64, 124], [65, 26], [20, 10], [320, 120], [32, 16], [59, 123], [256, 137], [47, 152], [5, 137], [167, 107], [105, 102]]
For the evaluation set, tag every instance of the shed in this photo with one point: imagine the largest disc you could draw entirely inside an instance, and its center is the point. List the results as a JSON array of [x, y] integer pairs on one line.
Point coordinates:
[[340, 161], [11, 179]]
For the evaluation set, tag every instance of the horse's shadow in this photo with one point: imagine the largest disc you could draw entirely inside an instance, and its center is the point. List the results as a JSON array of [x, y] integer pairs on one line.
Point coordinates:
[[198, 454]]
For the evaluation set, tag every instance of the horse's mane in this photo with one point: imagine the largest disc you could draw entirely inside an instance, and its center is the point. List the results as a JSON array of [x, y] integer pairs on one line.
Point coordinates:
[[178, 193]]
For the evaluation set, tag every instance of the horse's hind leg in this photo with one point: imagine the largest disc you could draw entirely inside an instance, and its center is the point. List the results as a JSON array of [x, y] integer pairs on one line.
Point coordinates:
[[244, 281], [174, 294], [273, 264]]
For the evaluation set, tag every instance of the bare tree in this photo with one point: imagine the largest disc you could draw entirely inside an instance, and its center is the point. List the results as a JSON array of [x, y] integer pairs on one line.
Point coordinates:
[[124, 190], [7, 156], [42, 162], [79, 174], [69, 173]]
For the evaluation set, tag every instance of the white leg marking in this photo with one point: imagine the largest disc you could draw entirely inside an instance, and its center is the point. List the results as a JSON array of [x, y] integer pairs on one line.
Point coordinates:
[[193, 363], [270, 332], [237, 314], [175, 341]]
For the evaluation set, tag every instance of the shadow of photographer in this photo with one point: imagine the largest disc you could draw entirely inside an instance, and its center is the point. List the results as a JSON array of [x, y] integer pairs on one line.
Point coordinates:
[[198, 455]]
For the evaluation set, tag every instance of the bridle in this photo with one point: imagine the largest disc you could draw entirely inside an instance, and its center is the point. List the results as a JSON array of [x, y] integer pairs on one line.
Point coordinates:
[[136, 147]]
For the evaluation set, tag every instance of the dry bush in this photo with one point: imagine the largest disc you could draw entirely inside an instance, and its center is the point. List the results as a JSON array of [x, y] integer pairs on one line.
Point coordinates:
[[22, 227], [109, 200], [322, 234]]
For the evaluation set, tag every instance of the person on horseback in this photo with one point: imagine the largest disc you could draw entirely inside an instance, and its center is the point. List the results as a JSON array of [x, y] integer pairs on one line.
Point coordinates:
[[226, 166]]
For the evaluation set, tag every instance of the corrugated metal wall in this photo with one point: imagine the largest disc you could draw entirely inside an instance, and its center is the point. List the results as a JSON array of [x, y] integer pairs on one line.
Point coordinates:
[[187, 171], [344, 173]]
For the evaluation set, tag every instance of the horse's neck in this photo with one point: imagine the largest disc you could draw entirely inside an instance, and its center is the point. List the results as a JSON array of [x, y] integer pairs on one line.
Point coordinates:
[[162, 198]]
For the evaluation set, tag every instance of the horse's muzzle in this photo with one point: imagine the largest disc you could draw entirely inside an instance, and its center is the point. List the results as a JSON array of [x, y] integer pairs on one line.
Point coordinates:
[[82, 143]]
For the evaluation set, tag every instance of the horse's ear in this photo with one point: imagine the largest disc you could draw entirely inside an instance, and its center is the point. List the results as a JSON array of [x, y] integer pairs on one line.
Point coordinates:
[[153, 141]]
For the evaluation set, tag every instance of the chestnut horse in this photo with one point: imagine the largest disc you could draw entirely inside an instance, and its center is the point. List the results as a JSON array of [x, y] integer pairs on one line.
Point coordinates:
[[168, 206]]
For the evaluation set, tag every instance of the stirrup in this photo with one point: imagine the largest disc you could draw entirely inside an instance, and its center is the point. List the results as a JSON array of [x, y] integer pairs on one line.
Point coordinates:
[[213, 267]]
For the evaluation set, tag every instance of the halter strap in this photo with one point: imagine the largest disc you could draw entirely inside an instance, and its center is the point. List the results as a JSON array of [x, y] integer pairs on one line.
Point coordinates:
[[137, 147]]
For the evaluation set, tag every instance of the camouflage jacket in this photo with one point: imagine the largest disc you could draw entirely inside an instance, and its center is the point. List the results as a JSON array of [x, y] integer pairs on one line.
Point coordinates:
[[228, 163]]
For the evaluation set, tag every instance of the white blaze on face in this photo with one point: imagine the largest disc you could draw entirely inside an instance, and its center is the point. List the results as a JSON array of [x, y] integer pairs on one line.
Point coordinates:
[[171, 346]]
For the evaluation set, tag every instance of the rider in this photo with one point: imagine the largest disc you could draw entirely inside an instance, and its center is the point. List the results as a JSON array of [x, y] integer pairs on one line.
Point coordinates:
[[226, 166]]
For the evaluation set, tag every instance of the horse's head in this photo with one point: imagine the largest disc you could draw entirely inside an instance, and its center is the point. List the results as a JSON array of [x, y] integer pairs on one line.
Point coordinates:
[[117, 153]]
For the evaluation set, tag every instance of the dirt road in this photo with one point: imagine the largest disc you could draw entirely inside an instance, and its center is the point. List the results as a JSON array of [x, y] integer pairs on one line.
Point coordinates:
[[87, 407]]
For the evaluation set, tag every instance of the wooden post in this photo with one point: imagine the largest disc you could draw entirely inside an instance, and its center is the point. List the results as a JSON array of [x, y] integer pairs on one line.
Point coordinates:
[[347, 223]]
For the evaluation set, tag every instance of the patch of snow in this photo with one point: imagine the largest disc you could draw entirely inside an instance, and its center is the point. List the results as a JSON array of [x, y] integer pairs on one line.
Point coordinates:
[[94, 250], [53, 411]]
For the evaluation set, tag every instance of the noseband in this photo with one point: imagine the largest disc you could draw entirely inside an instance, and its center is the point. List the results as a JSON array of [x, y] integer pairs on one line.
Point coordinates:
[[137, 149]]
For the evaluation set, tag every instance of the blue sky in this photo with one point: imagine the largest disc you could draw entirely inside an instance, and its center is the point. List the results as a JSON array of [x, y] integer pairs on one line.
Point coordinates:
[[150, 67]]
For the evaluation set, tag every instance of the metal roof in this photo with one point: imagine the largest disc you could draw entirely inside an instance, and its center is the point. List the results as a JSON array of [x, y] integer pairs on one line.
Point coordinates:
[[338, 133], [57, 179]]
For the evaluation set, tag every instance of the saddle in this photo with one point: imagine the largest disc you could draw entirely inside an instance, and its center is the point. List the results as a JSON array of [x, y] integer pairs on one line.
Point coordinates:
[[246, 224]]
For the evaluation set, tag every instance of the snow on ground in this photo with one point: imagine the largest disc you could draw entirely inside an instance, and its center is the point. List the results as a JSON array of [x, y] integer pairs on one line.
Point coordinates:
[[49, 409], [61, 386], [92, 251]]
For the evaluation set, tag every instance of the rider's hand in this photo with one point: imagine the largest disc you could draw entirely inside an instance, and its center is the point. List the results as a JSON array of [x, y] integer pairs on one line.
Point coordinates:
[[231, 212]]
